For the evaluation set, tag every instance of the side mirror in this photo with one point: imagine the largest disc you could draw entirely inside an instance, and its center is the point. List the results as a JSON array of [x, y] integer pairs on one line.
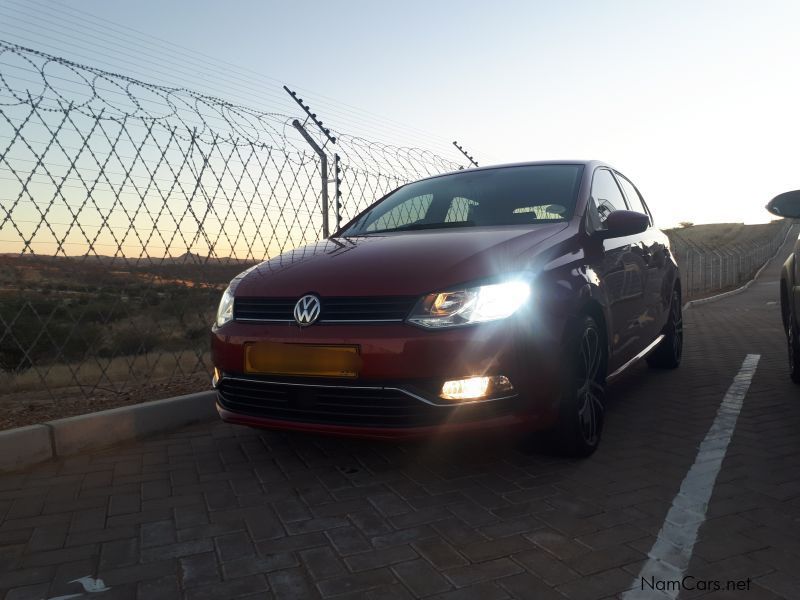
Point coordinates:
[[621, 223], [786, 205]]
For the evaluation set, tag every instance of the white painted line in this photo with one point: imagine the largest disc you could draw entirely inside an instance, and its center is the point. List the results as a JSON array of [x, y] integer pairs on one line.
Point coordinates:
[[89, 584], [670, 555]]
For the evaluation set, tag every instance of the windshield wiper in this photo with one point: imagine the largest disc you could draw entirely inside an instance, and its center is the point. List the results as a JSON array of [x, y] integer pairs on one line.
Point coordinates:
[[419, 226]]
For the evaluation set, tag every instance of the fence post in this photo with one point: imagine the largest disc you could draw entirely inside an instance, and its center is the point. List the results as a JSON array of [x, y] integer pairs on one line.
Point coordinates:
[[323, 160]]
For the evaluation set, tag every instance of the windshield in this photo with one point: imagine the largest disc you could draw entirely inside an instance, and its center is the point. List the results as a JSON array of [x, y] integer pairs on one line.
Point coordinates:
[[524, 195]]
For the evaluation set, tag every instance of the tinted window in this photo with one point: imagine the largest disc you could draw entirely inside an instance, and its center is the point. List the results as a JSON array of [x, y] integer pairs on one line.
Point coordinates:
[[606, 194], [634, 199], [502, 196]]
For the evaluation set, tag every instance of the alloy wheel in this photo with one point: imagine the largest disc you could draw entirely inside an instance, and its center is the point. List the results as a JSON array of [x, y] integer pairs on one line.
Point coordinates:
[[590, 391]]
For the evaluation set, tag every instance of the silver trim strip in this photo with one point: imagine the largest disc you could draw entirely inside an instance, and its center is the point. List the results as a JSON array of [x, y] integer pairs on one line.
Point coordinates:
[[362, 320], [366, 387], [636, 358], [265, 320], [239, 320]]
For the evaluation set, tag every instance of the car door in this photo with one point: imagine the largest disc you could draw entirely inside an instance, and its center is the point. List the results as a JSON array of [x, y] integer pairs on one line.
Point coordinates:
[[653, 248], [621, 269]]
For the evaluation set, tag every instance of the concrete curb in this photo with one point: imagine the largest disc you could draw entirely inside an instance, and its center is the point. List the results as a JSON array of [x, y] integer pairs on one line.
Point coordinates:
[[739, 290], [26, 446]]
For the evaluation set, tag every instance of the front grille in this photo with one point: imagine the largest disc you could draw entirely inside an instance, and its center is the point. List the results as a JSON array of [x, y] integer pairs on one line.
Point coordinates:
[[353, 406], [334, 310]]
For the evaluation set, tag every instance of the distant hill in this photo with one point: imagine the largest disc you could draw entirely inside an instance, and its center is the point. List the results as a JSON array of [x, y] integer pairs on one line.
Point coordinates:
[[187, 257], [718, 236], [91, 270]]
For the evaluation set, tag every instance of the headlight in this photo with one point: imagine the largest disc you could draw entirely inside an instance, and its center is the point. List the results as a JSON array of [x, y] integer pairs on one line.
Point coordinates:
[[225, 309], [470, 305]]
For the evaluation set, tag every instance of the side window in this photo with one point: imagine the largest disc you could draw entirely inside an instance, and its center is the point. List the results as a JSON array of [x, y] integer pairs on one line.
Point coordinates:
[[412, 210], [606, 194], [634, 199]]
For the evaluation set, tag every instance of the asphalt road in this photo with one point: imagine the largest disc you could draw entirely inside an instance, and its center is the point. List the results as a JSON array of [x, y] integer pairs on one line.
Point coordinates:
[[685, 488]]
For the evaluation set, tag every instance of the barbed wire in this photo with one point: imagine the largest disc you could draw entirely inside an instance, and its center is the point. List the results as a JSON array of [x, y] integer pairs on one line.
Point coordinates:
[[29, 76]]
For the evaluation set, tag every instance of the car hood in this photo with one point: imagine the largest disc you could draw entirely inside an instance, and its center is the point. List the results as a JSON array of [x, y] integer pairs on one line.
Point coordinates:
[[407, 263]]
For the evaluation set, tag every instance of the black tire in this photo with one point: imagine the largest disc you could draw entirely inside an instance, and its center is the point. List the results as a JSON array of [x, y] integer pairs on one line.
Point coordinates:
[[581, 411], [793, 348], [668, 354]]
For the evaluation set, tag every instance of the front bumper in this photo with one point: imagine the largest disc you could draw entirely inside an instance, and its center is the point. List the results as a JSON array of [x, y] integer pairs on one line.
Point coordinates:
[[332, 404], [396, 392], [506, 424]]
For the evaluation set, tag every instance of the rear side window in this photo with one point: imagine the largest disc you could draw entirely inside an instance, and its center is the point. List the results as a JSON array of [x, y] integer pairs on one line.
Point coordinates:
[[606, 194], [634, 199]]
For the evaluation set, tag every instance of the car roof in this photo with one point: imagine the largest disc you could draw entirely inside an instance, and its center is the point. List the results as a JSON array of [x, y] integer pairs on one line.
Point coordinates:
[[591, 164]]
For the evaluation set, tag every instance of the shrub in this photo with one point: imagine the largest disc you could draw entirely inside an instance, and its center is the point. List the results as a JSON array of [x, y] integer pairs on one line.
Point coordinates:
[[13, 359], [130, 340]]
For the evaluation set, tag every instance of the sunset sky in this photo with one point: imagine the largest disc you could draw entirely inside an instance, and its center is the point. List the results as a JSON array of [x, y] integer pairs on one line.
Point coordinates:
[[695, 101]]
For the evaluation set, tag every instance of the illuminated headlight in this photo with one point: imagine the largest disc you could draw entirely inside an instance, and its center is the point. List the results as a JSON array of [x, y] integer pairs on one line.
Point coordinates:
[[225, 309], [470, 305], [474, 388]]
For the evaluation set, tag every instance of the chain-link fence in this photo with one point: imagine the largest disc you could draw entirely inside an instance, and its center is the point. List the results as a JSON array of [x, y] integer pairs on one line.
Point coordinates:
[[125, 208], [709, 269]]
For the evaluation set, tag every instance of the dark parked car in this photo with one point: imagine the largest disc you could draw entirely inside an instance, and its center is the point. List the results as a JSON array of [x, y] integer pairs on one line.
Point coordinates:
[[788, 205], [503, 297]]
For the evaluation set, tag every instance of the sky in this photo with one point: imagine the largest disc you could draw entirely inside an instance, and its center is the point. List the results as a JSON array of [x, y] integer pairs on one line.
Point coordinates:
[[696, 102]]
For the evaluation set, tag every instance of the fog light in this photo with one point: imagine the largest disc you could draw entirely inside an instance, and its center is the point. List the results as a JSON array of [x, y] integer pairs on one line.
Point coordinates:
[[473, 388]]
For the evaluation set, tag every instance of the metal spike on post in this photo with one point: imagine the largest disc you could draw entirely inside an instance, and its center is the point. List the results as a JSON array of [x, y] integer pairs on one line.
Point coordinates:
[[322, 157], [312, 116], [464, 152], [337, 192]]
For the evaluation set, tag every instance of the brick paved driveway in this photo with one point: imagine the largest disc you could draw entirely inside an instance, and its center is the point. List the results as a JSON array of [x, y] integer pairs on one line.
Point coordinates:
[[219, 511]]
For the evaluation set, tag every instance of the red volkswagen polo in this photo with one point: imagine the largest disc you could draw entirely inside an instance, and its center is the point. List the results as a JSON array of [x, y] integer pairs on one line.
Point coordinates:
[[503, 296]]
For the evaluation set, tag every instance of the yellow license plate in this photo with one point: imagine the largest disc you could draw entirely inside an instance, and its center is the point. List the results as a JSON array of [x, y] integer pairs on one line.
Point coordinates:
[[275, 358]]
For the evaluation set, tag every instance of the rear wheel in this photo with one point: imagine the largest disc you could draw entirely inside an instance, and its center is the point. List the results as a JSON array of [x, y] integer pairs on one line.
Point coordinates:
[[581, 411], [794, 350], [669, 352]]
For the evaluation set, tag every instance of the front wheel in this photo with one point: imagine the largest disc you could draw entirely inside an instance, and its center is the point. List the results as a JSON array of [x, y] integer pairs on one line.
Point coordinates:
[[669, 352], [581, 410]]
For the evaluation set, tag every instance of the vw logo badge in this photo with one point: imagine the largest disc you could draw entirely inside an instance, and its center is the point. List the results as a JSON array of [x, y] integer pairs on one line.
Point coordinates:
[[307, 309]]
